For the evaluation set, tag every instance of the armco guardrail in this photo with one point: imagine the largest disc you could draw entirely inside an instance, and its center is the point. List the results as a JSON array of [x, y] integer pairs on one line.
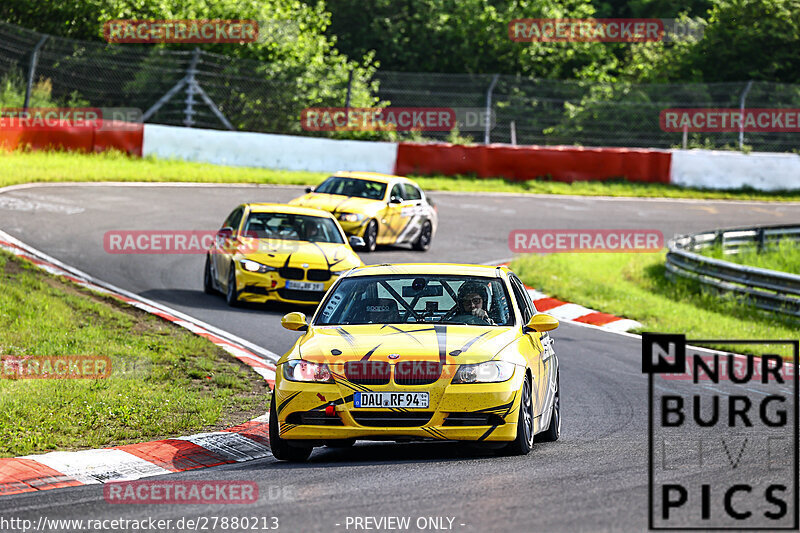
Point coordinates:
[[767, 289]]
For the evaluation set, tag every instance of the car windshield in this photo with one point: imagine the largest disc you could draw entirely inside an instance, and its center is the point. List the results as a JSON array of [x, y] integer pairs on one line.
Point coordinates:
[[399, 299], [359, 188], [289, 227]]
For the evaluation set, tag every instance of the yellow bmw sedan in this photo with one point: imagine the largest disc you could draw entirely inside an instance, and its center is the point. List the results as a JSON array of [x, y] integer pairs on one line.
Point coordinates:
[[379, 208], [418, 352], [275, 252]]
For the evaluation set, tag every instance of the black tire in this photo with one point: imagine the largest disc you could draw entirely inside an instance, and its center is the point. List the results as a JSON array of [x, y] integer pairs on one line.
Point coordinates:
[[524, 442], [232, 295], [553, 431], [208, 282], [423, 242], [281, 449], [371, 237]]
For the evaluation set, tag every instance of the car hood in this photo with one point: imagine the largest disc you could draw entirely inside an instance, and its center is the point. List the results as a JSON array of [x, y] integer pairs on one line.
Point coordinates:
[[335, 203], [455, 344], [295, 253]]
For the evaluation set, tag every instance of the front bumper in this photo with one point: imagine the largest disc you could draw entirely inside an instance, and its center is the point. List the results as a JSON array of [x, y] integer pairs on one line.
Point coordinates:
[[271, 287], [465, 412]]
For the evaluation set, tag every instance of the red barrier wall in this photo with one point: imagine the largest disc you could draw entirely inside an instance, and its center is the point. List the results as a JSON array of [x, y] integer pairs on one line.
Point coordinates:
[[126, 137], [561, 163]]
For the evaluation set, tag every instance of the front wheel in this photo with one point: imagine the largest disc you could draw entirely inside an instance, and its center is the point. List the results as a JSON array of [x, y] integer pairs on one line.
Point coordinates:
[[524, 442], [554, 429], [371, 236], [281, 449], [423, 242], [232, 295], [208, 282]]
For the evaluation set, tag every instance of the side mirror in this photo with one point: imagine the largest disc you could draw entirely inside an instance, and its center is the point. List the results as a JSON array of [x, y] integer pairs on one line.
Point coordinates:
[[356, 241], [295, 321], [395, 200], [309, 189], [225, 233], [541, 323]]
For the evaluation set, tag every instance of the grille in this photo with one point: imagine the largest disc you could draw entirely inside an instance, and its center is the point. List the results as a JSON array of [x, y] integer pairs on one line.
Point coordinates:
[[316, 274], [313, 418], [301, 296], [417, 372], [389, 419], [291, 273], [473, 419], [367, 372]]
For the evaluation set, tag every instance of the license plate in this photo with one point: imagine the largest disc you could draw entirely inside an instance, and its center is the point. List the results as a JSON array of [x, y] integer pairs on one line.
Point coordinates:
[[304, 286], [409, 400]]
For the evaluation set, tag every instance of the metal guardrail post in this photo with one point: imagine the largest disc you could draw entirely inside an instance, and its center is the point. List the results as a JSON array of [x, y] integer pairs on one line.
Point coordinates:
[[486, 137], [32, 71]]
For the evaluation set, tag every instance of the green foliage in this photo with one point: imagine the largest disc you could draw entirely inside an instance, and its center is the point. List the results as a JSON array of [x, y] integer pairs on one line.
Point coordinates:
[[12, 93], [465, 36]]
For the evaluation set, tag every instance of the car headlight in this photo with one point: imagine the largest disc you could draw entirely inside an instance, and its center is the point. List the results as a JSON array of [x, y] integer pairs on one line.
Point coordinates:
[[299, 370], [252, 266], [351, 217], [488, 372]]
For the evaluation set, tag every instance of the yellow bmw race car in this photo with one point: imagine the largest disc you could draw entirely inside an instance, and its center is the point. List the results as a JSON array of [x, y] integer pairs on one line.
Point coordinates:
[[379, 208], [274, 252], [418, 352]]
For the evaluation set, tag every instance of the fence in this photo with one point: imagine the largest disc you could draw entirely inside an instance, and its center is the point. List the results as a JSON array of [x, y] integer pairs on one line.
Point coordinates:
[[202, 89], [767, 289]]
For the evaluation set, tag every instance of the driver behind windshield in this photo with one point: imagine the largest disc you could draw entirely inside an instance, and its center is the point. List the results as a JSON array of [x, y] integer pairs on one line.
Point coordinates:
[[473, 299]]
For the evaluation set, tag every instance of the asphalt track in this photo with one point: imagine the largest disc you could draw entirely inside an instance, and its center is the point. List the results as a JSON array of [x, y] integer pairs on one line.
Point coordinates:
[[593, 479]]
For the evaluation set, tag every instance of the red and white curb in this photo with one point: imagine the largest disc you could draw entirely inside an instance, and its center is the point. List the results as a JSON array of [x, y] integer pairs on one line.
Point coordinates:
[[569, 312], [240, 443]]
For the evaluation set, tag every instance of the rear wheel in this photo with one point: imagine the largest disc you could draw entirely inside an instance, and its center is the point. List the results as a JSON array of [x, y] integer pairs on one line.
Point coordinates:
[[423, 242], [208, 282], [232, 295], [371, 236], [281, 449], [553, 431], [524, 442]]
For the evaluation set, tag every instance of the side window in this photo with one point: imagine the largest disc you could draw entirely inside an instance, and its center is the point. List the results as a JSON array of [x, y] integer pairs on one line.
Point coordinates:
[[412, 193], [397, 192], [523, 299], [234, 219]]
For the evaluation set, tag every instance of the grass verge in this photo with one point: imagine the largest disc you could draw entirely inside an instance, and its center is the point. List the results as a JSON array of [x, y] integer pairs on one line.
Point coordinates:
[[28, 167], [784, 257], [164, 380], [634, 286]]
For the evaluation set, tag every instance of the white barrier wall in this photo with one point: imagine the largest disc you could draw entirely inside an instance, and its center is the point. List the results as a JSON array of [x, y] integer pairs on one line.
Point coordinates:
[[716, 169], [287, 152]]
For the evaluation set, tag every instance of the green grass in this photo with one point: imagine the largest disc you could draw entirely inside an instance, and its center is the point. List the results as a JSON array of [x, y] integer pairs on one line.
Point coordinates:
[[28, 167], [634, 286], [785, 256], [164, 381]]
